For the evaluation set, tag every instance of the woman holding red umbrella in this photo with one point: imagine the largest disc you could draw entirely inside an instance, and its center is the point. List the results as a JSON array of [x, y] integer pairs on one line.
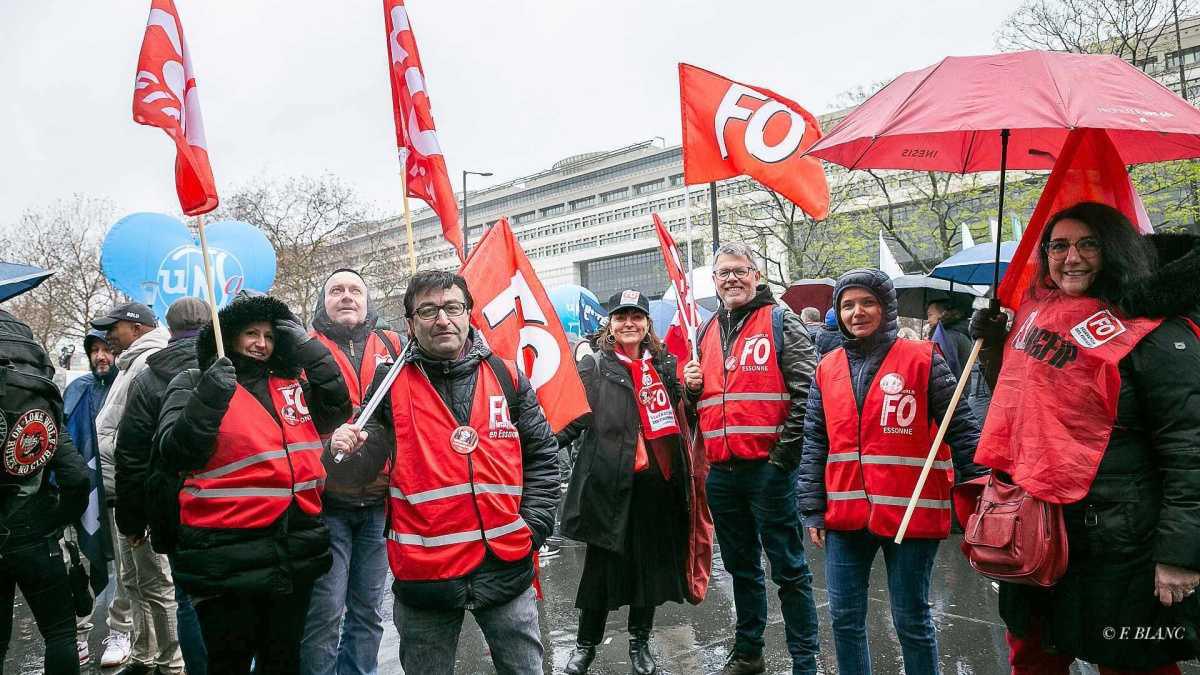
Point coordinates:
[[1107, 326]]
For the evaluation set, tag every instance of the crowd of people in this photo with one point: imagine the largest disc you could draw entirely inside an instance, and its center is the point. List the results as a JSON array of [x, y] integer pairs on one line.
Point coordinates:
[[251, 516]]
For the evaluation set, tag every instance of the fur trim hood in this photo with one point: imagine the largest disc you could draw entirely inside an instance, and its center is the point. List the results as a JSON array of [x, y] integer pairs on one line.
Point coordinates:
[[1174, 288], [236, 316]]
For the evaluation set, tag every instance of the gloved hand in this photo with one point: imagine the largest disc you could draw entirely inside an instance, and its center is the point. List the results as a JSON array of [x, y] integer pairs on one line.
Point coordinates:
[[291, 331], [218, 383], [990, 325]]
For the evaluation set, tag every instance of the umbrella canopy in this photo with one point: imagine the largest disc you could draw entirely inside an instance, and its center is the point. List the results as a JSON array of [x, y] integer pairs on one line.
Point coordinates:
[[16, 279], [915, 291], [975, 265], [809, 293], [948, 117]]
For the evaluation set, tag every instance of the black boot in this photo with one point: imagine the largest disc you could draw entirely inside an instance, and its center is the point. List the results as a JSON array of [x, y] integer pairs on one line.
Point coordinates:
[[641, 661], [581, 658]]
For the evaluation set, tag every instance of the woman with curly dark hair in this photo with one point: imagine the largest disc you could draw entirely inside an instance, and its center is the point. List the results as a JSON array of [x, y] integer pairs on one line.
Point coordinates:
[[627, 495], [1097, 408]]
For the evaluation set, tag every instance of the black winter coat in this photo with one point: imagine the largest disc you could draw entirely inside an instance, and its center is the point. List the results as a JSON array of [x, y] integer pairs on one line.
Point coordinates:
[[294, 550], [826, 340], [1143, 507], [865, 355], [494, 581], [596, 507], [135, 435]]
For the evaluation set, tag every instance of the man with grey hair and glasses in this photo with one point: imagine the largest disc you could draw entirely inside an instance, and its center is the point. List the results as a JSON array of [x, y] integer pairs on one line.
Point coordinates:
[[750, 388]]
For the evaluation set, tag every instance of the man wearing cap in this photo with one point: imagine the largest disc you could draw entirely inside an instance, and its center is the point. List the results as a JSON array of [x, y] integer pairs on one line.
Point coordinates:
[[132, 332], [354, 507], [750, 386], [137, 511]]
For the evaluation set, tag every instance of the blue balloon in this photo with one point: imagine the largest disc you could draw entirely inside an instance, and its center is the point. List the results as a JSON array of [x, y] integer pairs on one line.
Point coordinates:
[[577, 308], [154, 259]]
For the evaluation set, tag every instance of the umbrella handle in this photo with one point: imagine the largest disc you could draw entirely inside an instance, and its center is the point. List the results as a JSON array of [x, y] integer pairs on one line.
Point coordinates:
[[937, 441]]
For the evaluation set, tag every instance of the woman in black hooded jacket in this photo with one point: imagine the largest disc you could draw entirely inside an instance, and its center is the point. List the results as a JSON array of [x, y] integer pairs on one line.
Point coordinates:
[[243, 431]]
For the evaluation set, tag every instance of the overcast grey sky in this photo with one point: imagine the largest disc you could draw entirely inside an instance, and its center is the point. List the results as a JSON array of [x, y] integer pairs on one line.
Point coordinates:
[[300, 87]]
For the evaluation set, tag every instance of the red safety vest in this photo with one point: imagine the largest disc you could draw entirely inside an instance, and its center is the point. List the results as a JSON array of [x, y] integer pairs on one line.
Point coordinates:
[[447, 508], [375, 352], [876, 458], [745, 401], [259, 465]]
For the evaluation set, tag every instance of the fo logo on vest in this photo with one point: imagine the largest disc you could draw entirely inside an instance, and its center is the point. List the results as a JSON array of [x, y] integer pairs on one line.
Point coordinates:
[[756, 350], [898, 403], [499, 423], [295, 410]]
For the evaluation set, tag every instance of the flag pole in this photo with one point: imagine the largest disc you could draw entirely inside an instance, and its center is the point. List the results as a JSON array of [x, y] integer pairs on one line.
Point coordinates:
[[687, 214], [208, 286], [716, 232], [412, 250]]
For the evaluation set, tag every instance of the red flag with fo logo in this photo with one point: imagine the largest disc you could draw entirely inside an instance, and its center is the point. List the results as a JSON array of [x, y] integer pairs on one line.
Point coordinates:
[[680, 337], [165, 96], [519, 323], [416, 137], [731, 129]]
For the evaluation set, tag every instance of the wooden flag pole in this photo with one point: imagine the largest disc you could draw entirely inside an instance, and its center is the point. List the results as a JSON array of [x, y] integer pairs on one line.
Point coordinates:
[[412, 250], [937, 441], [208, 286], [687, 213]]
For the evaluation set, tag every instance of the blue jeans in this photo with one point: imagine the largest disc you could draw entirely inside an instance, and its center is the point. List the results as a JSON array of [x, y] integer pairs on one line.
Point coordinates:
[[848, 560], [191, 640], [753, 502], [354, 586], [429, 637]]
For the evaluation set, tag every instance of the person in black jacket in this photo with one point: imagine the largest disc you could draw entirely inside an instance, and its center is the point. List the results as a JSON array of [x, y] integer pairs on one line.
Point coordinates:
[[137, 477], [1134, 536], [250, 581], [865, 402], [828, 337], [33, 511], [627, 496], [444, 366]]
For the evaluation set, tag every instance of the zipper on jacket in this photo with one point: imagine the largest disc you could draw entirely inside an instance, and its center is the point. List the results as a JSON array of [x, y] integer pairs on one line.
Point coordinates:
[[351, 343]]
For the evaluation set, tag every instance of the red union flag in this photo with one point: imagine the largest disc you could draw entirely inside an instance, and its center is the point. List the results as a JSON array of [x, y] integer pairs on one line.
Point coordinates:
[[731, 129], [681, 334], [519, 322], [416, 137], [164, 96]]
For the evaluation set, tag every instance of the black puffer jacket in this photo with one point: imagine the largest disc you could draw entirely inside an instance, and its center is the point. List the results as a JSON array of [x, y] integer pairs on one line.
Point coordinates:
[[865, 356], [136, 432], [494, 581], [596, 506], [827, 339], [295, 549], [798, 360], [1143, 507]]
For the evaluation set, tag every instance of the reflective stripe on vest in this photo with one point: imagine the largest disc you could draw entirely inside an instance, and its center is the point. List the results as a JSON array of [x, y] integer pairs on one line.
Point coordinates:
[[742, 410], [447, 509], [254, 475], [869, 486]]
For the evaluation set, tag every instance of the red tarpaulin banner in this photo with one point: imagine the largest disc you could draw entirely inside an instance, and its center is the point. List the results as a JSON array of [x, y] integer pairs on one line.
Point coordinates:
[[165, 96], [1088, 169], [416, 136], [681, 334], [519, 322], [731, 129]]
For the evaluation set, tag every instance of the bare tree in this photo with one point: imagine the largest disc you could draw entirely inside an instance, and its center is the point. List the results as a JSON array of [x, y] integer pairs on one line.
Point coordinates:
[[64, 237], [1127, 28]]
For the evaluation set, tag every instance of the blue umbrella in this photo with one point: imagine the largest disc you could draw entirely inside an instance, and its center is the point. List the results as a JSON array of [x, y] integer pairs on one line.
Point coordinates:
[[976, 265], [16, 278]]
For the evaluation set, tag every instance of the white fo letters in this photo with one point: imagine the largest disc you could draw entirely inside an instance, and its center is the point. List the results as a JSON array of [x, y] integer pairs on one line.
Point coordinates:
[[754, 136]]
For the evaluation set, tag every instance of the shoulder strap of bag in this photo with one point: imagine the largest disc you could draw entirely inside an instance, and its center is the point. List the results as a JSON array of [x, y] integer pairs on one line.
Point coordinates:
[[387, 343], [506, 380]]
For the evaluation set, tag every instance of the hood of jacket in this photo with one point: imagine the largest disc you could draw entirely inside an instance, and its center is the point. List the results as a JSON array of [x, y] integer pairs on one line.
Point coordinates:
[[155, 339], [880, 285], [1173, 289], [335, 331], [238, 314], [173, 359]]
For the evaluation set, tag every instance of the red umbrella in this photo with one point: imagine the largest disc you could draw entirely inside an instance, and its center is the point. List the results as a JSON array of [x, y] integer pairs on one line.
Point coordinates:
[[809, 293]]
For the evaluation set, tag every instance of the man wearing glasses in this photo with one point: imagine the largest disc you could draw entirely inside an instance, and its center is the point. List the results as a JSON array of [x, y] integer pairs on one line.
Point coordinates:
[[750, 388], [473, 485]]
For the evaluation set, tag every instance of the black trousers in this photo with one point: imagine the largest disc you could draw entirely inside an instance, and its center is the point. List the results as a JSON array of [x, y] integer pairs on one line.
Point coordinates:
[[40, 572], [267, 628], [591, 623]]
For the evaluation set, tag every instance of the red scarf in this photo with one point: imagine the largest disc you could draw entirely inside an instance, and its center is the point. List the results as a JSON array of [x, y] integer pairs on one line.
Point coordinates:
[[654, 410], [1055, 403]]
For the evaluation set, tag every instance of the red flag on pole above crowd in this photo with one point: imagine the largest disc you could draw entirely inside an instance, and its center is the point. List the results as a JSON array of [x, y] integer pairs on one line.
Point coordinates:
[[416, 138], [680, 338], [165, 96], [730, 129], [1088, 169], [519, 322]]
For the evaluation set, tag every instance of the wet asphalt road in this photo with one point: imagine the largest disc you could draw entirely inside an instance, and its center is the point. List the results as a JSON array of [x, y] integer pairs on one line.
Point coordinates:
[[690, 639]]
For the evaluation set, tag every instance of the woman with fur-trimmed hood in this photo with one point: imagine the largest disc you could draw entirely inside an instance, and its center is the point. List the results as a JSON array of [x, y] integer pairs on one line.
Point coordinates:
[[243, 431]]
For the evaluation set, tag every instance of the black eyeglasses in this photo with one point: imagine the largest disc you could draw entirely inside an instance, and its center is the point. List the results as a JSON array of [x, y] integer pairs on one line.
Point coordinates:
[[735, 272], [1057, 249], [430, 312]]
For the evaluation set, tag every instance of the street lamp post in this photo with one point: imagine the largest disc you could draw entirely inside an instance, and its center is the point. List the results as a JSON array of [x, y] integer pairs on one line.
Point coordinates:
[[466, 225]]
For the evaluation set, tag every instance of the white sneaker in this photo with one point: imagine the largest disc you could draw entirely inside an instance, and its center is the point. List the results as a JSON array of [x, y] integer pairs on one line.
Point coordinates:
[[116, 650], [85, 654]]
